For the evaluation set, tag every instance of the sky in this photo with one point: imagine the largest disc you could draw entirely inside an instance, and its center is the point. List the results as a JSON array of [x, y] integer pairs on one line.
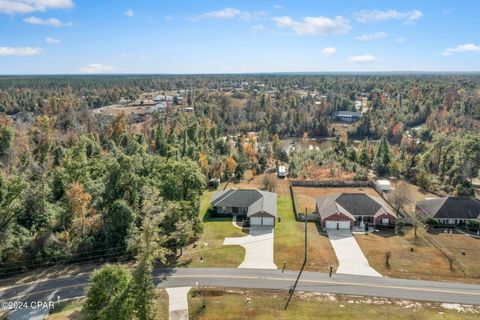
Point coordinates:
[[243, 36]]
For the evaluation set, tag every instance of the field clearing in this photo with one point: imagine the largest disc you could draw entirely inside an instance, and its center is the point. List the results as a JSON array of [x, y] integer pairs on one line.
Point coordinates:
[[252, 181], [457, 243], [306, 197], [269, 304], [424, 262]]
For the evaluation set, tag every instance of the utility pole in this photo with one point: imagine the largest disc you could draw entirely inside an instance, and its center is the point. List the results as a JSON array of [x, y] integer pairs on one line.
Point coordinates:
[[305, 217]]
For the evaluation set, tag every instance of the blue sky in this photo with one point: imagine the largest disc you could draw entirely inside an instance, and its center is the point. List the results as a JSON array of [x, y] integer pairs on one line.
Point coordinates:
[[137, 36]]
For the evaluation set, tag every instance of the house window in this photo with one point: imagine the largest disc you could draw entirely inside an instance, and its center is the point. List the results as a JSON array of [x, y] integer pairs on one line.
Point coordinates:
[[235, 209]]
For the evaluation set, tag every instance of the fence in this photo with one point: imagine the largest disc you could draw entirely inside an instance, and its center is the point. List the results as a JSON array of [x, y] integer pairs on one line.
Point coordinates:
[[332, 184], [447, 253]]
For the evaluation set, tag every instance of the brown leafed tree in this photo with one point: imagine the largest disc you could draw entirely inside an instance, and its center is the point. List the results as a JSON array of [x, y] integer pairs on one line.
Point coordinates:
[[78, 201]]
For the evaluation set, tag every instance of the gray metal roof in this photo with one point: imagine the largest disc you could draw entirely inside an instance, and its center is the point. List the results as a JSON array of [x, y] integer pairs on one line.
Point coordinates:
[[255, 200], [451, 207]]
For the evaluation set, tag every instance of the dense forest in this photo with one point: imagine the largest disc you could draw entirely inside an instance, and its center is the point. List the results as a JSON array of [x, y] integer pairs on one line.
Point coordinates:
[[77, 186]]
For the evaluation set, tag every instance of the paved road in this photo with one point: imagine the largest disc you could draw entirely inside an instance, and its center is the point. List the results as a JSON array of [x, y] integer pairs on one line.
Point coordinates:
[[266, 279]]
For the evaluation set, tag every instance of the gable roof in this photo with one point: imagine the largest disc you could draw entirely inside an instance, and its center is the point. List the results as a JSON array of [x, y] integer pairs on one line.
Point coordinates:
[[352, 205], [451, 207], [255, 200]]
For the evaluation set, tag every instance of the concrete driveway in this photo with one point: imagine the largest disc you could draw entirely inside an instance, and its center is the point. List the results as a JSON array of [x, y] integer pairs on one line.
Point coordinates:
[[350, 257], [178, 303], [258, 248]]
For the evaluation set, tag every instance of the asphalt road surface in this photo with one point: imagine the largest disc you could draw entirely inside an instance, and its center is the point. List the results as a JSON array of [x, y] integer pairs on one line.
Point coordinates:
[[70, 287]]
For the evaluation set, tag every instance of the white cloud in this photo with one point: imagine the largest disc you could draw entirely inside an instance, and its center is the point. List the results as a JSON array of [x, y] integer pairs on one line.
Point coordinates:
[[407, 17], [314, 25], [129, 13], [97, 68], [168, 18], [372, 36], [329, 51], [47, 22], [20, 51], [51, 40], [400, 40], [231, 13], [258, 27], [463, 48], [29, 6], [366, 58], [277, 7]]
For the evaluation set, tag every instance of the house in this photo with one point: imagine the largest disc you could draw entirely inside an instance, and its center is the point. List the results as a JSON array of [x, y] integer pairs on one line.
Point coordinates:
[[346, 116], [455, 211], [346, 210], [163, 97], [260, 207]]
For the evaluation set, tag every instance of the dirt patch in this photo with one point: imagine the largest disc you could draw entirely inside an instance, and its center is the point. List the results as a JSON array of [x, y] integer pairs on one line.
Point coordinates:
[[252, 181]]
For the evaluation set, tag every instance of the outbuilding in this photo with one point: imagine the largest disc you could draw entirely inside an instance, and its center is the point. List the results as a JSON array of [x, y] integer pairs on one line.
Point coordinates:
[[383, 185]]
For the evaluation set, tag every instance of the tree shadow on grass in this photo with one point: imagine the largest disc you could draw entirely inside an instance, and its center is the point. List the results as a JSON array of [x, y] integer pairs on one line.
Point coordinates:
[[386, 233], [211, 216]]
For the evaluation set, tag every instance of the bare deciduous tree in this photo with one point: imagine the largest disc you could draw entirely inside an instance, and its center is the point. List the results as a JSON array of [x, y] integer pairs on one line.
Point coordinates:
[[400, 196], [268, 182]]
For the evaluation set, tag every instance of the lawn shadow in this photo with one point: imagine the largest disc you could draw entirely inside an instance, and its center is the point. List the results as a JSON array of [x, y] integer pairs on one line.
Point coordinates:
[[385, 233], [211, 216], [320, 230]]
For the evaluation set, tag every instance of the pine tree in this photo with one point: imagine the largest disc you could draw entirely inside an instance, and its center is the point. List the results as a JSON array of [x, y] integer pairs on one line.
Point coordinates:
[[382, 158], [363, 158]]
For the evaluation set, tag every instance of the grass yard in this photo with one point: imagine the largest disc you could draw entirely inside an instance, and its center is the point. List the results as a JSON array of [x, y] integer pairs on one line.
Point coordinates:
[[72, 310], [289, 242], [269, 304], [210, 244], [306, 197], [457, 243], [425, 262]]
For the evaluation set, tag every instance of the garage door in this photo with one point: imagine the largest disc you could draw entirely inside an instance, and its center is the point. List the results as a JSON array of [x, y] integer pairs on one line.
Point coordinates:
[[268, 221], [255, 221], [332, 224]]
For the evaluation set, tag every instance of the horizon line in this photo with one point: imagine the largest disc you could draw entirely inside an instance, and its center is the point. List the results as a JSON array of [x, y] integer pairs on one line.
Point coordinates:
[[240, 73]]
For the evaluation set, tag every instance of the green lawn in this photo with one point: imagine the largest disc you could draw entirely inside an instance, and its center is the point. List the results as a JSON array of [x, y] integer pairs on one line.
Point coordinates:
[[289, 242], [251, 304], [210, 244]]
